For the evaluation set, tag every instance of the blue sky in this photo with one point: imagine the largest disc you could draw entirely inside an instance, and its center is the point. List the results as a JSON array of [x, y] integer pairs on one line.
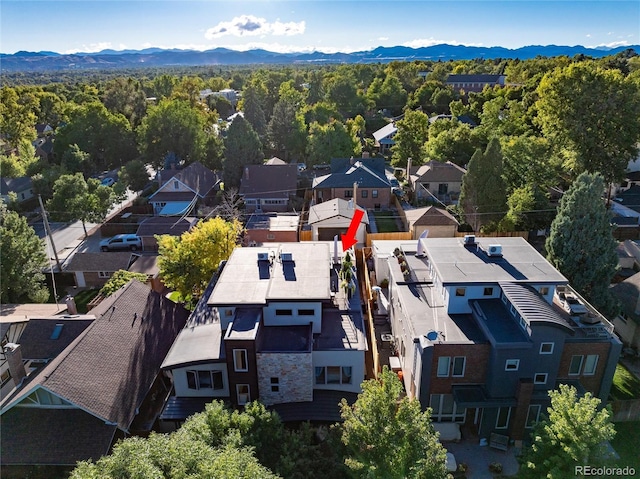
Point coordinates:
[[303, 25]]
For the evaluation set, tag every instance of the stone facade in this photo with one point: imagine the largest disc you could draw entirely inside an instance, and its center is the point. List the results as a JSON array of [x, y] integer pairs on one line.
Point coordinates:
[[285, 377]]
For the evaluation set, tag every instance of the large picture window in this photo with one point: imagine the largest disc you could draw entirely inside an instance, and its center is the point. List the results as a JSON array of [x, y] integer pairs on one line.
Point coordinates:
[[333, 374], [445, 409], [200, 379]]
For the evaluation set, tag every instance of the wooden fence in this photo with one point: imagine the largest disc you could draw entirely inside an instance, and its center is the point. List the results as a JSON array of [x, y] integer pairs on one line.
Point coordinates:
[[398, 236], [625, 411], [372, 357], [496, 234], [306, 235]]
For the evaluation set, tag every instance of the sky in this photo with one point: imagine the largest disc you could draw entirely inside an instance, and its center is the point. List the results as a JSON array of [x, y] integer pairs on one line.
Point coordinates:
[[306, 25]]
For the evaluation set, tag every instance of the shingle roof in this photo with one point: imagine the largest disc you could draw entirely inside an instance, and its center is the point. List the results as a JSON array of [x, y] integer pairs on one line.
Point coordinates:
[[324, 407], [437, 172], [364, 173], [52, 436], [109, 369], [36, 342], [429, 216], [333, 208], [165, 225], [14, 184], [197, 177], [104, 261], [269, 181], [146, 264]]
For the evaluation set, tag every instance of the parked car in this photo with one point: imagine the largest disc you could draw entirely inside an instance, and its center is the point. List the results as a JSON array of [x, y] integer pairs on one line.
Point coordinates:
[[121, 242], [108, 181]]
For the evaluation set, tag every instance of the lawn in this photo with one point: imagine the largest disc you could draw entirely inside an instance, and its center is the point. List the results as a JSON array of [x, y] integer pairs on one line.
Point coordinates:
[[626, 444], [625, 385], [385, 221], [84, 297]]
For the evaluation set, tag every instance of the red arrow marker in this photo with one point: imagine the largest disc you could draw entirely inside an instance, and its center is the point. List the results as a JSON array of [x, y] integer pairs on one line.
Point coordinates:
[[349, 239]]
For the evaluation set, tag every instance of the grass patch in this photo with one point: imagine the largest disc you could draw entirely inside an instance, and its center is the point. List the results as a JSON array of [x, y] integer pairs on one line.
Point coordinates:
[[175, 297], [625, 385], [385, 221], [83, 298], [626, 444]]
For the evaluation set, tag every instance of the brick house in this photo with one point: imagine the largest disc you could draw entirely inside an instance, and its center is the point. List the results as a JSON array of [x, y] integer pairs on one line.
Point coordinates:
[[485, 328], [475, 83], [272, 325]]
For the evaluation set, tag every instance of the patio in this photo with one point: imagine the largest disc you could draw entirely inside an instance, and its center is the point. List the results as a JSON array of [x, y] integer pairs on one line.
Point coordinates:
[[477, 458]]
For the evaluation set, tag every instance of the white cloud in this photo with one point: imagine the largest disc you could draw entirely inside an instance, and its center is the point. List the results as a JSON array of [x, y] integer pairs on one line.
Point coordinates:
[[622, 43], [383, 39], [588, 35], [249, 25], [93, 48], [428, 42]]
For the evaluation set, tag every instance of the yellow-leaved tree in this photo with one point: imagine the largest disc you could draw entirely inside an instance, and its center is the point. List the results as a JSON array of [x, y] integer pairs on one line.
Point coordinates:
[[188, 262]]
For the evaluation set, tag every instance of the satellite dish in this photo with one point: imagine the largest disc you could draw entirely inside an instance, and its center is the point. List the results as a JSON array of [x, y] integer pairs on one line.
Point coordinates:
[[432, 335]]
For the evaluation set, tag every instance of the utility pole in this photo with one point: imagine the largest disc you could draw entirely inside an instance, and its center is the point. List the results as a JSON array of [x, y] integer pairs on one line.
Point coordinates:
[[47, 229]]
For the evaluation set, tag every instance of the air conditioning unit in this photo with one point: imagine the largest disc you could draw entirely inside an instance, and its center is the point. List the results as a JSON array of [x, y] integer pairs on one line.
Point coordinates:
[[263, 256], [469, 240], [494, 250]]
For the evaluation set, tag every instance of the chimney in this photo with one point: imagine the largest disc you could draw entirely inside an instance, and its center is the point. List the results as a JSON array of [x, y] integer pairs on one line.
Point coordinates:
[[365, 154], [351, 161], [71, 304], [17, 370]]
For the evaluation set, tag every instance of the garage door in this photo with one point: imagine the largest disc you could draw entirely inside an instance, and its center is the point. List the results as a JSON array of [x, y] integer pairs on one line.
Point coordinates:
[[327, 234]]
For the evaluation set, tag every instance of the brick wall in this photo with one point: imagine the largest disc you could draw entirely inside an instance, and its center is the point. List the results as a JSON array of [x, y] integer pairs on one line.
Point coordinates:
[[590, 383], [294, 374], [475, 367]]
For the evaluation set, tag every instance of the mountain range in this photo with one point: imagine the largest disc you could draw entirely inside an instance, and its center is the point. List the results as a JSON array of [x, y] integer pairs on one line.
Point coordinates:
[[157, 57]]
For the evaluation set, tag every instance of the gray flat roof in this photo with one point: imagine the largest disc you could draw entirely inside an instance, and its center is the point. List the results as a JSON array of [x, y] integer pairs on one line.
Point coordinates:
[[304, 278], [342, 330], [292, 339], [520, 261], [196, 344]]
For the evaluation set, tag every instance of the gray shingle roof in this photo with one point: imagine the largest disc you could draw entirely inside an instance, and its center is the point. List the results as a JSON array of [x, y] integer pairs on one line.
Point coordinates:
[[437, 172], [195, 176], [165, 225], [429, 216], [36, 342], [94, 262], [109, 369], [269, 181], [363, 172], [627, 292], [333, 208]]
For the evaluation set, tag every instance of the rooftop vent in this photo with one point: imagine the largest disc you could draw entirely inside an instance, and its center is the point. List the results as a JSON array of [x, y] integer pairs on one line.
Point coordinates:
[[469, 240], [495, 250]]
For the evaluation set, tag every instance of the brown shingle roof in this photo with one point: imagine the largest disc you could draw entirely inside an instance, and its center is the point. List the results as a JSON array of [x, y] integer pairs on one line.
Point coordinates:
[[94, 262], [269, 181], [435, 171], [109, 369]]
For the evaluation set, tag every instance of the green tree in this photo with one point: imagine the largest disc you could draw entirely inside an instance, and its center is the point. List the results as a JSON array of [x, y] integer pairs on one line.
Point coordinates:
[[22, 260], [388, 437], [76, 199], [573, 434], [528, 160], [242, 147], [172, 126], [333, 140], [188, 262], [503, 117], [529, 209], [483, 196], [17, 117], [134, 175], [162, 86], [253, 111], [15, 166], [119, 279], [456, 144], [413, 131], [107, 137], [581, 244], [321, 112], [388, 93], [593, 112], [126, 97], [74, 160], [286, 131], [44, 180]]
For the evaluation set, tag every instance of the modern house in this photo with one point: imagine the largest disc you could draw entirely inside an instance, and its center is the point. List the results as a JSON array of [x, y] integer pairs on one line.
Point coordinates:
[[365, 178], [475, 83], [268, 188], [271, 228], [333, 218], [437, 181], [180, 190], [274, 325], [106, 384], [439, 222], [485, 328]]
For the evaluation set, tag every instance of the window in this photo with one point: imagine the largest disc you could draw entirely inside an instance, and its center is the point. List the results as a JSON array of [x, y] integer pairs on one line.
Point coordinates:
[[461, 291], [488, 291], [306, 312], [176, 185], [512, 365], [348, 193], [5, 376], [443, 366], [240, 362], [533, 414], [544, 290], [104, 274], [458, 366], [546, 348], [364, 193], [575, 366], [374, 193], [502, 420], [623, 316], [204, 380], [503, 298], [242, 392], [443, 188], [275, 385], [333, 374], [540, 378], [590, 364], [445, 409], [271, 236], [284, 312]]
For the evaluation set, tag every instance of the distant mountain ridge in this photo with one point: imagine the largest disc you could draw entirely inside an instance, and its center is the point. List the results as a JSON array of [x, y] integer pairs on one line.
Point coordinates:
[[157, 57]]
